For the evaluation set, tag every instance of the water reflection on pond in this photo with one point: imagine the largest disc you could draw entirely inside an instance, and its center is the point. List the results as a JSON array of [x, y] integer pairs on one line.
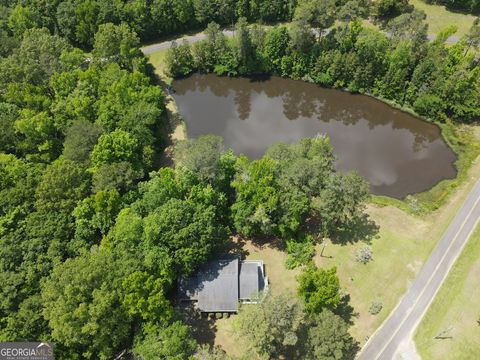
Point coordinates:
[[396, 152]]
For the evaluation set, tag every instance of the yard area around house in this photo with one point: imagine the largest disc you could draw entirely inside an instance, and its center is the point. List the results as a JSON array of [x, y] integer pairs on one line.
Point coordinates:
[[438, 18], [400, 241], [450, 328], [400, 248]]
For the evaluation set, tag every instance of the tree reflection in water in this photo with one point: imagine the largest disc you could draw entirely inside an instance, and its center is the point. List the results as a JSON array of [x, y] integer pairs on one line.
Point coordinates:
[[398, 153]]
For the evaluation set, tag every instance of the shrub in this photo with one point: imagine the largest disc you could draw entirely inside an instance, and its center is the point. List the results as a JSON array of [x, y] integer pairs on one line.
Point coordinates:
[[364, 255], [375, 307], [429, 105], [319, 289], [179, 60], [300, 252]]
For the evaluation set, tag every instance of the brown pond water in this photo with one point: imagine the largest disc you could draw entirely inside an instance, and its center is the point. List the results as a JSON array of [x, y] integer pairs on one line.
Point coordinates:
[[397, 153]]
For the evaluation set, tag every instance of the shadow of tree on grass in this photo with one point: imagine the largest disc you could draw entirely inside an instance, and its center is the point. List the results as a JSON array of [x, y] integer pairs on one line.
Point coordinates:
[[361, 229], [345, 310], [202, 327]]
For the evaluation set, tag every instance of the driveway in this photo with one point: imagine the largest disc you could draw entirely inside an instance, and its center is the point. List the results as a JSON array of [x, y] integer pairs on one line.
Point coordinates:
[[190, 39]]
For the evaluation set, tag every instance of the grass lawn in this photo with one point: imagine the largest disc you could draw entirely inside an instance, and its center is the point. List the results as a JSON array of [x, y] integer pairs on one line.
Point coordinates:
[[455, 311], [438, 18], [400, 248], [157, 59]]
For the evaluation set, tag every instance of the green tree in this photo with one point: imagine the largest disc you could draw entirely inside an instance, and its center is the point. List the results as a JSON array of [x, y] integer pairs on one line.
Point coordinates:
[[201, 156], [188, 231], [82, 303], [80, 139], [66, 19], [319, 14], [353, 10], [244, 50], [257, 197], [206, 54], [87, 16], [272, 327], [116, 43], [328, 338], [95, 215], [122, 176], [127, 233], [206, 352], [275, 48], [117, 146], [23, 18], [172, 342], [179, 60], [144, 297], [319, 289], [8, 136], [473, 36], [63, 184], [38, 133], [342, 201], [387, 9]]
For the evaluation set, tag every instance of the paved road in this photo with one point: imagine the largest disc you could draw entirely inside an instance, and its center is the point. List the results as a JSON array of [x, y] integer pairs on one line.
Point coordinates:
[[201, 36], [166, 44], [404, 319]]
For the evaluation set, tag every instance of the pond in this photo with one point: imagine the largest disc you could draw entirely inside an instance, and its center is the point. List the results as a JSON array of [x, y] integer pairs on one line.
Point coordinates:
[[397, 153]]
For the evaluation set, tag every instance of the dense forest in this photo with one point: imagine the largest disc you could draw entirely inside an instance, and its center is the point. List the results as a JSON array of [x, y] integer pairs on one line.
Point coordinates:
[[437, 80], [94, 233], [79, 20]]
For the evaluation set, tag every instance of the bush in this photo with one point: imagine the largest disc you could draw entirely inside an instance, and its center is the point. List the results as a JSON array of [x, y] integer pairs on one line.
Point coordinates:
[[300, 252], [364, 255], [319, 289], [375, 307], [429, 105], [179, 60]]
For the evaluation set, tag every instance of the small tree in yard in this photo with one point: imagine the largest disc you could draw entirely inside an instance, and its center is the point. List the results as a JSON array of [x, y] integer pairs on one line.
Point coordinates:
[[271, 327], [328, 338], [300, 252], [319, 289]]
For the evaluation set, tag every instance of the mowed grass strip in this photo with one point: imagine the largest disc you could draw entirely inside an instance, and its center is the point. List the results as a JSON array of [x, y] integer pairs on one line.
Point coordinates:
[[157, 59], [454, 314], [439, 18]]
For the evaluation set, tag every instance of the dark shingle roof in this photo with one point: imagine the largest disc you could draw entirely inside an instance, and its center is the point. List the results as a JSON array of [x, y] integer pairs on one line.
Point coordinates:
[[215, 286], [249, 280], [219, 285]]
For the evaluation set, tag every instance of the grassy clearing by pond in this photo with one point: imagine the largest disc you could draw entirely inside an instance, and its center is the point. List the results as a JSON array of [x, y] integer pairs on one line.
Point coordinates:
[[438, 18], [455, 311], [157, 59]]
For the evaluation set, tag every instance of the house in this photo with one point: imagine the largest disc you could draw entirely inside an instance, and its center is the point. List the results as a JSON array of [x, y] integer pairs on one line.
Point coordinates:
[[220, 285]]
